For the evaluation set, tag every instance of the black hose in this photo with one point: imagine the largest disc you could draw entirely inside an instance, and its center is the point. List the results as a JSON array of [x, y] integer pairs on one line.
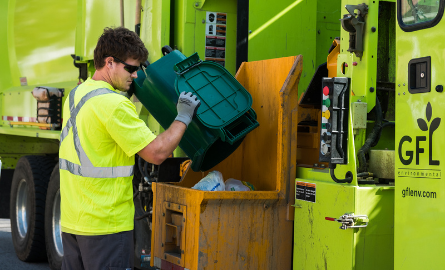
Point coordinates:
[[392, 124], [138, 207], [372, 137], [144, 169], [140, 166], [146, 215], [348, 177], [366, 174], [388, 124]]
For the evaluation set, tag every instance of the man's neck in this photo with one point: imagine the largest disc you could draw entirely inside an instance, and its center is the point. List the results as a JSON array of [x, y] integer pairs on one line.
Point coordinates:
[[102, 76]]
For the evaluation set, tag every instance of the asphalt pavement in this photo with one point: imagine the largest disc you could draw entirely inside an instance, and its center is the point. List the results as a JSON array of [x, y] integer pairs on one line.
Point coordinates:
[[8, 259]]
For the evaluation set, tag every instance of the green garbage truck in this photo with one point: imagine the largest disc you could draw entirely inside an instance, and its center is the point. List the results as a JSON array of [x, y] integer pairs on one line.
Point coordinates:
[[47, 49], [346, 161], [368, 192]]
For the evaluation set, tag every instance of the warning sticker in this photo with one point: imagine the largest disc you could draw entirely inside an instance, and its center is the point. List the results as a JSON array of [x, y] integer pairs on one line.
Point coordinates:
[[215, 35], [222, 62], [216, 29], [215, 41], [305, 191], [216, 17], [215, 52]]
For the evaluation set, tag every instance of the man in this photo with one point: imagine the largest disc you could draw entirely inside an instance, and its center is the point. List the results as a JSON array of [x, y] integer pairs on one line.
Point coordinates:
[[101, 135]]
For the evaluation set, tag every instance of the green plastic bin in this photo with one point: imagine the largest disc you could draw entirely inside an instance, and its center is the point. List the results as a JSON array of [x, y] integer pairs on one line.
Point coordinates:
[[225, 104], [224, 117]]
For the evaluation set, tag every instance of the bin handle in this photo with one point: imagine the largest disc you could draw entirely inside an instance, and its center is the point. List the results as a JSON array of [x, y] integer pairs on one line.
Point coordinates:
[[250, 117], [187, 64]]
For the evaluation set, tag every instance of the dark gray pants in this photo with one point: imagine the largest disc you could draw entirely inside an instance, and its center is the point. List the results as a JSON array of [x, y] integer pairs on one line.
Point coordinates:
[[98, 252]]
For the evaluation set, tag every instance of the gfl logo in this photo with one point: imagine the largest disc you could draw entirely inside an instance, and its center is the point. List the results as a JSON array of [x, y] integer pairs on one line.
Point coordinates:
[[423, 125]]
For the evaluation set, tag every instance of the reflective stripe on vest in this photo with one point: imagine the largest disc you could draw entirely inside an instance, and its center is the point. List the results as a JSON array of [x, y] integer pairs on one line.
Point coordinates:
[[86, 168]]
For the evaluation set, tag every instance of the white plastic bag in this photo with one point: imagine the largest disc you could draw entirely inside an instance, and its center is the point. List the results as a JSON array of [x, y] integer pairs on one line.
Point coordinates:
[[214, 181], [237, 185]]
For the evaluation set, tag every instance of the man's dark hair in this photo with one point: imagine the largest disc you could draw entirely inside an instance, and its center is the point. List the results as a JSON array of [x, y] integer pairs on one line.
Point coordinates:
[[121, 43]]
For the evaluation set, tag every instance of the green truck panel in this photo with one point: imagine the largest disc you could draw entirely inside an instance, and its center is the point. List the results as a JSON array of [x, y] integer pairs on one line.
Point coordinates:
[[321, 244], [419, 193]]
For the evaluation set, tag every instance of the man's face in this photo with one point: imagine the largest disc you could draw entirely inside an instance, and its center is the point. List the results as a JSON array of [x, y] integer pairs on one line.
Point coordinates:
[[121, 79]]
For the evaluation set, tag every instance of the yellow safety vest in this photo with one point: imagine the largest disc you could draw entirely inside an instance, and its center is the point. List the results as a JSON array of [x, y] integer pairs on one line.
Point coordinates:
[[101, 133]]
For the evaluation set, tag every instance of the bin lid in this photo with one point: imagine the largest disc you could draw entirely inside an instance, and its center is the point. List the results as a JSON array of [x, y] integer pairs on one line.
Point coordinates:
[[223, 98]]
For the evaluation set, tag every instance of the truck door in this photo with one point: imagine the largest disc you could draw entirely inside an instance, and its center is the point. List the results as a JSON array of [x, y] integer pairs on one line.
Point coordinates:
[[420, 187]]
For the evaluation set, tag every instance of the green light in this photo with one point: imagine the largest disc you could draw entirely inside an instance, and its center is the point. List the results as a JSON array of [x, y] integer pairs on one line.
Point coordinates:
[[327, 102]]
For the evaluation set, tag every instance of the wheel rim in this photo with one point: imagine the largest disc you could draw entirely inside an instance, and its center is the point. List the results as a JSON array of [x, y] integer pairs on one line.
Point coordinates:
[[21, 208], [57, 232]]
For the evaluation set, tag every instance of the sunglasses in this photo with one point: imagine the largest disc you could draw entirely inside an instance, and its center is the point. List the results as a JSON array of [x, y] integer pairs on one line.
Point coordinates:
[[129, 68]]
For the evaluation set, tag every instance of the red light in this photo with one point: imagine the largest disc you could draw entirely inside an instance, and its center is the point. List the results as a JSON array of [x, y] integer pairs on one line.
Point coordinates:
[[325, 90], [329, 218]]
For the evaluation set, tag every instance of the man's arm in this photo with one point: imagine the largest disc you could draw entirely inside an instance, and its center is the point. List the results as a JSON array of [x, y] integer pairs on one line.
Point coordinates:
[[161, 148]]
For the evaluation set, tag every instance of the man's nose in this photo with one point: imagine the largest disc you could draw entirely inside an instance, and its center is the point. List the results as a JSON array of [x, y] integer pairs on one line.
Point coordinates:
[[134, 74]]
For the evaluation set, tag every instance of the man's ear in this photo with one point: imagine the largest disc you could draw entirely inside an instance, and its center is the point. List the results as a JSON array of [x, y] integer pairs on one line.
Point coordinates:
[[109, 62]]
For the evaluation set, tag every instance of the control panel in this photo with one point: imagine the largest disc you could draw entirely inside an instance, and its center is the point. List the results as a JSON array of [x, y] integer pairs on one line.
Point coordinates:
[[334, 120]]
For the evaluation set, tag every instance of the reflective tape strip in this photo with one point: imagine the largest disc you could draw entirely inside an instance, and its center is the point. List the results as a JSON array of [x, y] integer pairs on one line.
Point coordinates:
[[95, 172], [71, 99], [69, 123], [75, 110], [83, 158], [86, 168], [65, 130]]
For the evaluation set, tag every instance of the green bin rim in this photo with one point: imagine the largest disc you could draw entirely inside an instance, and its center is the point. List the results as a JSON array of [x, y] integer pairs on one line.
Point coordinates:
[[224, 72]]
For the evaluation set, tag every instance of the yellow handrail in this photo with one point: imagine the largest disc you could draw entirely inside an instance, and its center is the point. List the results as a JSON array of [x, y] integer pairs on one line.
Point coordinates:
[[33, 124]]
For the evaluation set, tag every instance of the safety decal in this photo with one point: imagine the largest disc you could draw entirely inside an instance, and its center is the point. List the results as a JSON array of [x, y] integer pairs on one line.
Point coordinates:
[[215, 49], [305, 191], [19, 119], [23, 81]]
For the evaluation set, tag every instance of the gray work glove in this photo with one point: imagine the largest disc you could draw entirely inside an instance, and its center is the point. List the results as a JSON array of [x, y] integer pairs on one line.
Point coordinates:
[[187, 106]]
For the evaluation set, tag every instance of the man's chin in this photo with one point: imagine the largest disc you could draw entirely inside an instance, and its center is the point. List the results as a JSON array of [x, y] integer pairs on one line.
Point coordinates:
[[124, 89]]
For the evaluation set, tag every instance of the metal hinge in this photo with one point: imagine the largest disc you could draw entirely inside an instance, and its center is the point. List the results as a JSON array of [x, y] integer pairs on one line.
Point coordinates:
[[351, 221]]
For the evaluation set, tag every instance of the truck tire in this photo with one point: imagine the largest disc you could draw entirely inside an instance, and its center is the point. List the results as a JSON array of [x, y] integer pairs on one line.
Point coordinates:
[[27, 207], [53, 233]]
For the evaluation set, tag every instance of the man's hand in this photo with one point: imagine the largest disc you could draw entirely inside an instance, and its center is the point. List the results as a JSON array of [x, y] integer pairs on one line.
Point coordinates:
[[187, 106]]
